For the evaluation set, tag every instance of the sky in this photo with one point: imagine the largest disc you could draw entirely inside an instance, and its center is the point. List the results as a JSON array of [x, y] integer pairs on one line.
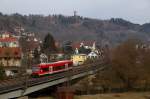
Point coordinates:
[[136, 11]]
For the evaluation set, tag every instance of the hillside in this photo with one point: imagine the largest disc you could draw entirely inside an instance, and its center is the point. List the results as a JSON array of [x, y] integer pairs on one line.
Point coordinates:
[[76, 28]]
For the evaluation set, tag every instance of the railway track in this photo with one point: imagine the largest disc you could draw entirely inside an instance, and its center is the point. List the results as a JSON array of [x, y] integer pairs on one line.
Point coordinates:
[[23, 82]]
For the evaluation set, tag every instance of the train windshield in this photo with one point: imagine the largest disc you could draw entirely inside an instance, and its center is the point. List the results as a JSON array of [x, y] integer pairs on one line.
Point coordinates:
[[35, 68]]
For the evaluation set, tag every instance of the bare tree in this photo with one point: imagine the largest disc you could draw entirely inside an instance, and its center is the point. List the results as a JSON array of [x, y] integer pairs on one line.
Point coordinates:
[[124, 61]]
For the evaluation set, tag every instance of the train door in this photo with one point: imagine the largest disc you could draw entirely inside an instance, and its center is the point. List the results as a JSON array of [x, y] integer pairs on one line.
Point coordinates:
[[66, 66], [50, 69]]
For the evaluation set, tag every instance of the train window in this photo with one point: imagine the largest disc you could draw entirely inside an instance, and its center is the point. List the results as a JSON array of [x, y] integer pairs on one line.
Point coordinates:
[[34, 69], [15, 71], [58, 68], [45, 69], [66, 65]]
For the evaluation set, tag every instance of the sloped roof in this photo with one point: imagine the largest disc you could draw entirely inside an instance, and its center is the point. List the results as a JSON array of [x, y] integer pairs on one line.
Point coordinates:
[[10, 52], [8, 39], [92, 54]]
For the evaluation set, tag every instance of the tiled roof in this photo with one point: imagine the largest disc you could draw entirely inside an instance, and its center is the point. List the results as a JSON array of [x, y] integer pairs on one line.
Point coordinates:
[[10, 52], [12, 39]]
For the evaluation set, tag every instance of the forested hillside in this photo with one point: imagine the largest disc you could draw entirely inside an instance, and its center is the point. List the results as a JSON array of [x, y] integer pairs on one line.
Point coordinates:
[[75, 28]]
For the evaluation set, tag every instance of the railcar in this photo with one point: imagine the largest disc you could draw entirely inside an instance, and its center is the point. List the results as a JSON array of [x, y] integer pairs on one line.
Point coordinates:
[[51, 68]]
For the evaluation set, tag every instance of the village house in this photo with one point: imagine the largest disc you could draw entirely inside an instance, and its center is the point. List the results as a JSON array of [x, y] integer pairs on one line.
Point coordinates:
[[84, 52], [78, 59], [10, 53], [93, 55], [30, 42]]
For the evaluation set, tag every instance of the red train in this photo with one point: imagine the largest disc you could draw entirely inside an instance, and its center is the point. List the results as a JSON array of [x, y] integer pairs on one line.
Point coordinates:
[[50, 68]]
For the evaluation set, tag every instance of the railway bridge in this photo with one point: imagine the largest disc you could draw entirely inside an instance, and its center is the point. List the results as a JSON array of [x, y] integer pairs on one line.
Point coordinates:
[[22, 86]]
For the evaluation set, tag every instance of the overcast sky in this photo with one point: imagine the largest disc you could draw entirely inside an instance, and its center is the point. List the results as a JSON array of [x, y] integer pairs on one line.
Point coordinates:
[[137, 11]]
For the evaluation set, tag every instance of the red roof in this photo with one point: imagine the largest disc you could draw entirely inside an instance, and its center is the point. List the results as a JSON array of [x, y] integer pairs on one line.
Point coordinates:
[[8, 39], [10, 52]]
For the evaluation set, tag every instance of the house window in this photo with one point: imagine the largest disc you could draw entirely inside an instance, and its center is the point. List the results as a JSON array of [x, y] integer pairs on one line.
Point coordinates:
[[15, 71]]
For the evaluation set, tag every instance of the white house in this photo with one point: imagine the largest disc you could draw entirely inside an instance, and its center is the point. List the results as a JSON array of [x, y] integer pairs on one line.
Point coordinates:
[[43, 58], [92, 55]]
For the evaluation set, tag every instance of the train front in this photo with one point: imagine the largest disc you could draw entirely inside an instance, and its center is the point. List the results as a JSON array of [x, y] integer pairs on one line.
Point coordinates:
[[36, 71]]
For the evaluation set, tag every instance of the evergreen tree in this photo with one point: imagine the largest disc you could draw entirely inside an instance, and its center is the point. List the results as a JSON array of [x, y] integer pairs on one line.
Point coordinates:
[[67, 47], [36, 54], [83, 50], [49, 44]]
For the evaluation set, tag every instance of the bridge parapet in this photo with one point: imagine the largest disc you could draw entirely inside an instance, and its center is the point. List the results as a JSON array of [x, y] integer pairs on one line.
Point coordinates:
[[16, 89]]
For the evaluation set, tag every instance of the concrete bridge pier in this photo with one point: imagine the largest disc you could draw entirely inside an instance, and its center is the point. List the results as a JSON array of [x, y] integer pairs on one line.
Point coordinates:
[[65, 93]]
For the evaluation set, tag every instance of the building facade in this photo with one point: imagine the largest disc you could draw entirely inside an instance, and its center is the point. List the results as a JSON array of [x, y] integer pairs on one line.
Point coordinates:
[[79, 59], [10, 53]]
